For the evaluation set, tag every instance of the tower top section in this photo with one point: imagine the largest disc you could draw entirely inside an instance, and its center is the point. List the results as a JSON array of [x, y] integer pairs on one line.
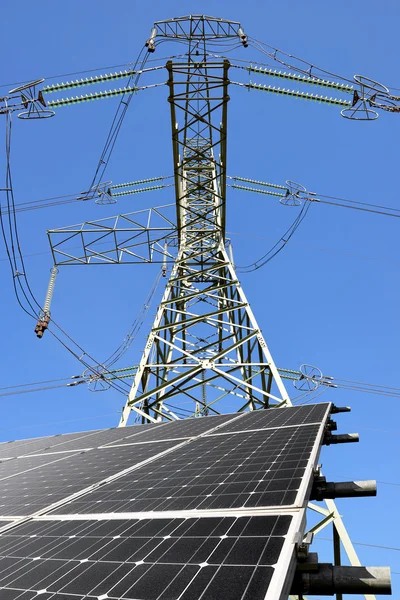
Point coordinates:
[[196, 29]]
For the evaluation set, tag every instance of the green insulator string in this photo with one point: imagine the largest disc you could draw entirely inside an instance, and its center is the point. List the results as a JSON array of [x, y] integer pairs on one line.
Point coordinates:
[[68, 85], [296, 94], [128, 375], [287, 376], [272, 185], [138, 182], [302, 79], [289, 371], [132, 368], [87, 97], [138, 190], [250, 189]]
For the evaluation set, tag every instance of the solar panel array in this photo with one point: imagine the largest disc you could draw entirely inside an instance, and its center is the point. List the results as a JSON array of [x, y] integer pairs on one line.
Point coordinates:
[[198, 509]]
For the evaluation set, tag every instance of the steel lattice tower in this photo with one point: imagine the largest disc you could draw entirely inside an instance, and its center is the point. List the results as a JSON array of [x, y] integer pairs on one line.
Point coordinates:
[[205, 344]]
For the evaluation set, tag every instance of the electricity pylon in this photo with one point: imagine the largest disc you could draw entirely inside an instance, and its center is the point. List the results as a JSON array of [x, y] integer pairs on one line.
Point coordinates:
[[205, 344]]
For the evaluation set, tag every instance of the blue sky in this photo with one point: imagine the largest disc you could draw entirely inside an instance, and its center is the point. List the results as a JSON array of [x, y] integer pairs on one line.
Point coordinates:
[[330, 298]]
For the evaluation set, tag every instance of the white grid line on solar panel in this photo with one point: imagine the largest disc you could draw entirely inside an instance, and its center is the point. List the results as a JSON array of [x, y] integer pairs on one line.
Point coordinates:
[[61, 440], [101, 436], [228, 557], [88, 449], [12, 449], [242, 470], [78, 480], [170, 514], [4, 446], [121, 443], [186, 428], [175, 439], [27, 464], [55, 453], [112, 477], [279, 417], [6, 521], [219, 433]]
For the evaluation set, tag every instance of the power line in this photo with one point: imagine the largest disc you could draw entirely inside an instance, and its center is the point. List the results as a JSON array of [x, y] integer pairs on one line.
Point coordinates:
[[23, 292], [332, 251], [377, 481], [358, 202], [39, 389], [329, 250], [279, 245], [11, 387], [135, 327], [71, 198], [118, 120], [389, 211], [363, 544], [46, 203], [129, 64], [307, 67], [59, 422], [360, 208]]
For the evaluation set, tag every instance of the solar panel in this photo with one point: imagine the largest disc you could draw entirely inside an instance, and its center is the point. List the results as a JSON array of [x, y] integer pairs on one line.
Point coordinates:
[[26, 488], [71, 442], [180, 429], [205, 508], [215, 471], [264, 419], [224, 557]]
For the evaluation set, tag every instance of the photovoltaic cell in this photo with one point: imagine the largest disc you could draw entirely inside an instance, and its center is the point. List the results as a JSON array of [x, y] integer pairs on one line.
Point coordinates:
[[42, 483], [263, 468], [115, 436], [20, 447], [181, 429], [215, 557], [30, 446], [96, 546], [262, 419], [71, 442], [17, 466]]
